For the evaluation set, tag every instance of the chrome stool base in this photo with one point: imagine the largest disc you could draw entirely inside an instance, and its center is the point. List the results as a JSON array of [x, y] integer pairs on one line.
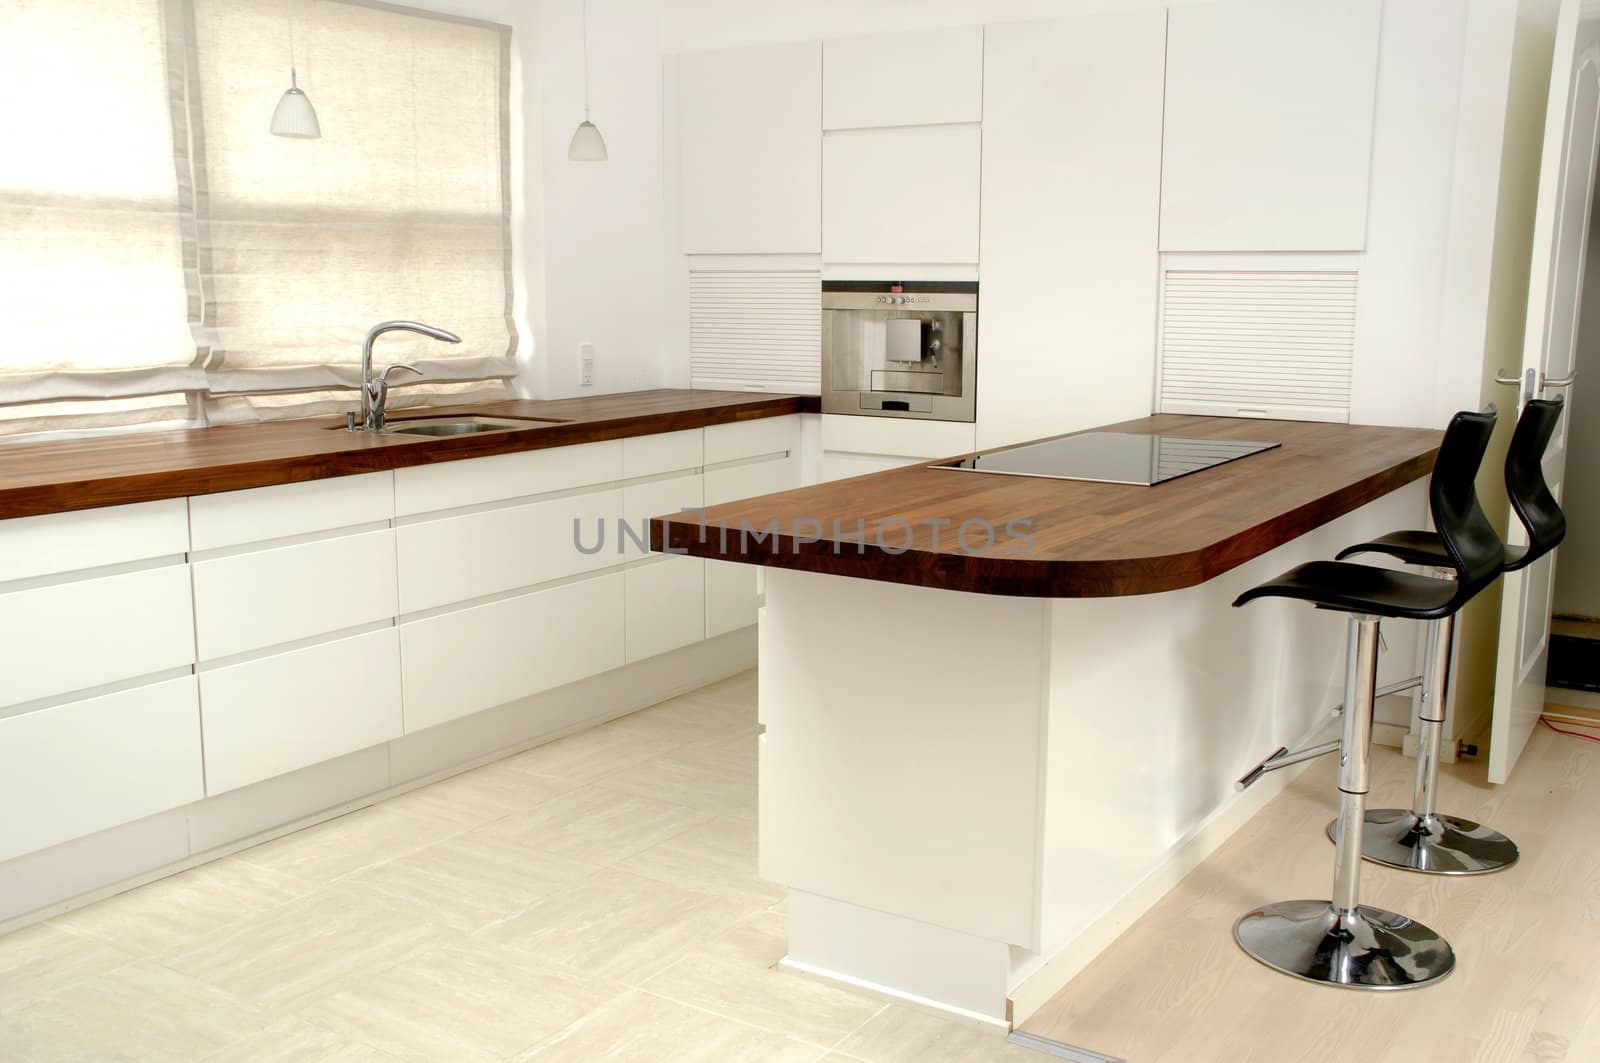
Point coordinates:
[[1364, 948], [1436, 844]]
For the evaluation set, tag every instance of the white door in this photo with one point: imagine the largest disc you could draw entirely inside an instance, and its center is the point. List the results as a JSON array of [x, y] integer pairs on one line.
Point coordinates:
[[1561, 224]]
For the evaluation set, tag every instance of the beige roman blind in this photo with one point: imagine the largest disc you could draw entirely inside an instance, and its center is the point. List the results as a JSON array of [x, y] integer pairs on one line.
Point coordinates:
[[171, 260]]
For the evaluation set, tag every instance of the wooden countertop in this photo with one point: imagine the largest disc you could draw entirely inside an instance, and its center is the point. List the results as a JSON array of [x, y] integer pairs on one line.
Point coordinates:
[[109, 470], [1087, 539]]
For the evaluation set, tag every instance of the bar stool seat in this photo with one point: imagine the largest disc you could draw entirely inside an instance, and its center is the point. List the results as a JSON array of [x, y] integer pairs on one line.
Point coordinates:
[[1340, 941], [1424, 549]]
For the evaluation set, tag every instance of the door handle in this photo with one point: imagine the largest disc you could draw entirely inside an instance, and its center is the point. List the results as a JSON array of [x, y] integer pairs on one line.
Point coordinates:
[[1510, 381], [1561, 382]]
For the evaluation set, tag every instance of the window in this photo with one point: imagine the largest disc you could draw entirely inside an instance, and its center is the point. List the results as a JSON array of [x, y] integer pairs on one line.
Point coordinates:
[[171, 261]]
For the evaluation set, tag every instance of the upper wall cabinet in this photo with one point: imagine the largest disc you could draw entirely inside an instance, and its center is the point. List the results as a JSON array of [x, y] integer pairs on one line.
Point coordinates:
[[1268, 130], [749, 134], [901, 196], [888, 79]]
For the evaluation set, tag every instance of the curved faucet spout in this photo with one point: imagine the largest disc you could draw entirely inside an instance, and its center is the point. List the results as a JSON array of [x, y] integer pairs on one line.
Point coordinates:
[[370, 416]]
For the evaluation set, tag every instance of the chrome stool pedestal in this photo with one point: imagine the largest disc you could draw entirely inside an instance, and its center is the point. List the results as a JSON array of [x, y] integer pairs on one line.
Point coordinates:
[[1340, 941], [1419, 838]]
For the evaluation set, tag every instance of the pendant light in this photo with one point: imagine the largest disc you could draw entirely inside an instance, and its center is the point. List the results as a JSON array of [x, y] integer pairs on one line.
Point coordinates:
[[294, 116], [587, 143]]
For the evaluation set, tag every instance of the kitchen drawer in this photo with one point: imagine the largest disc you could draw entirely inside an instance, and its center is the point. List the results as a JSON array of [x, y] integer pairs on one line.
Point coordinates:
[[903, 78], [269, 597], [235, 517], [82, 767], [65, 542], [452, 484], [656, 498], [749, 439], [667, 452], [454, 559], [897, 437], [272, 715], [76, 636], [747, 481], [473, 659], [666, 600], [841, 465], [733, 594]]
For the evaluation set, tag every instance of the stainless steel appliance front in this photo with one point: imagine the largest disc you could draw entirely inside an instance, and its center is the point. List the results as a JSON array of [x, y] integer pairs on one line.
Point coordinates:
[[900, 349]]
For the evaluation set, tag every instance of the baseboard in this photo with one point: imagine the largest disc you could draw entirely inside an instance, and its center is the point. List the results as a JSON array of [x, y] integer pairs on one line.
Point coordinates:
[[1036, 988], [895, 996], [47, 883], [1584, 701]]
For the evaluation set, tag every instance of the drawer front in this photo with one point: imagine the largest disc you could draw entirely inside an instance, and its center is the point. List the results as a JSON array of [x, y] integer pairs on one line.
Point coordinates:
[[76, 636], [276, 714], [236, 517], [452, 484], [749, 439], [748, 481], [252, 601], [838, 465], [894, 437], [666, 605], [82, 767], [733, 595], [462, 662], [656, 498], [668, 452], [65, 542], [456, 559]]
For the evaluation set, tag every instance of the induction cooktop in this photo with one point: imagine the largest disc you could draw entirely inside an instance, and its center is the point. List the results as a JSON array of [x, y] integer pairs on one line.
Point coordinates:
[[1112, 457]]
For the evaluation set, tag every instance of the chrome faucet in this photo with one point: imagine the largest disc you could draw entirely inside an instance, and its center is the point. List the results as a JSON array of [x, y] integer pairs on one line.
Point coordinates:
[[375, 392]]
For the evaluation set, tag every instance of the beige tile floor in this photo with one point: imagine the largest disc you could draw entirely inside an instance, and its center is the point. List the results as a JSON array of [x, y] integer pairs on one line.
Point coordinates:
[[592, 899]]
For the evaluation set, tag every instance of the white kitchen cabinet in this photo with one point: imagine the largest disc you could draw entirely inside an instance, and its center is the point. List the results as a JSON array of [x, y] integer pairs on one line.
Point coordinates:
[[749, 129], [855, 446], [733, 590], [901, 196], [279, 512], [666, 605], [1070, 221], [655, 498], [740, 440], [265, 598], [73, 769], [54, 543], [506, 548], [462, 662], [907, 78], [272, 715], [501, 477], [667, 452], [86, 633], [1268, 127]]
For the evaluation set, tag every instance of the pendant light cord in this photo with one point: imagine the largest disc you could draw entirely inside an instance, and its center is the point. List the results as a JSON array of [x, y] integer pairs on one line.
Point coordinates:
[[585, 60], [293, 81]]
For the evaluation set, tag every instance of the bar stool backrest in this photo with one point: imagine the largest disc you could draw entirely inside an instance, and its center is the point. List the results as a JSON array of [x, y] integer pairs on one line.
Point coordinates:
[[1475, 549], [1536, 507]]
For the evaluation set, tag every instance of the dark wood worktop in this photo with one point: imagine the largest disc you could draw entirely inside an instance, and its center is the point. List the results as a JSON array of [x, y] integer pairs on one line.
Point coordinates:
[[1088, 539], [109, 470]]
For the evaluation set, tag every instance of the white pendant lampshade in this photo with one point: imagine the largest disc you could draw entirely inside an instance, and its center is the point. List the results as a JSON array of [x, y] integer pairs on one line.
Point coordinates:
[[294, 116], [587, 143]]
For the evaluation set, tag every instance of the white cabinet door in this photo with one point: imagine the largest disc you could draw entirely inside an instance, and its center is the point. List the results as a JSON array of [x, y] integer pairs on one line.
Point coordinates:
[[901, 196], [841, 465], [666, 604], [898, 79], [455, 559], [76, 636], [462, 662], [733, 591], [1070, 214], [739, 440], [269, 597], [276, 714], [749, 131], [74, 769], [236, 517], [502, 477], [655, 498], [66, 542], [1268, 128]]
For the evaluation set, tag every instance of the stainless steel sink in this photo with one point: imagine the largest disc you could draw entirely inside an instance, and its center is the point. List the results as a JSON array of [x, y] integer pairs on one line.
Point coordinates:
[[463, 426]]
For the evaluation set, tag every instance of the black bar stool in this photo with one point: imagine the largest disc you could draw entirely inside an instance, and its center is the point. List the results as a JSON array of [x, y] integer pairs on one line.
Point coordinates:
[[1341, 941], [1419, 838]]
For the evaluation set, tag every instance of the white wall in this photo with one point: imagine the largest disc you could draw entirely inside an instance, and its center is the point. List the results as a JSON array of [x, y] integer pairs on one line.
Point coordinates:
[[587, 236]]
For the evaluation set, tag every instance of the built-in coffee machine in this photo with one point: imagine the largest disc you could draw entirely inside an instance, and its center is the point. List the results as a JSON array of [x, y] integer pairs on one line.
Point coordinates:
[[900, 349]]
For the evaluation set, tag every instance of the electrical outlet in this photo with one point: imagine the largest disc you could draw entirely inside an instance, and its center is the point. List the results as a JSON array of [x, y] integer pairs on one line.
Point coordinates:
[[586, 364]]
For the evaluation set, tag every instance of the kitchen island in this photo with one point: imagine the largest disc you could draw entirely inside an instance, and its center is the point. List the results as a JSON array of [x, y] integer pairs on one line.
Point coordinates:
[[1003, 714]]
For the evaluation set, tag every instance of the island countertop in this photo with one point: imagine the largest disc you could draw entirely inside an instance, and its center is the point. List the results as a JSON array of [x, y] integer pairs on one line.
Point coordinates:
[[1066, 538], [105, 470]]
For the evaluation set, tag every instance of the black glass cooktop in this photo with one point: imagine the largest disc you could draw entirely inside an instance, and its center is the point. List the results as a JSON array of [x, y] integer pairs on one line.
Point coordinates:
[[1112, 457]]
